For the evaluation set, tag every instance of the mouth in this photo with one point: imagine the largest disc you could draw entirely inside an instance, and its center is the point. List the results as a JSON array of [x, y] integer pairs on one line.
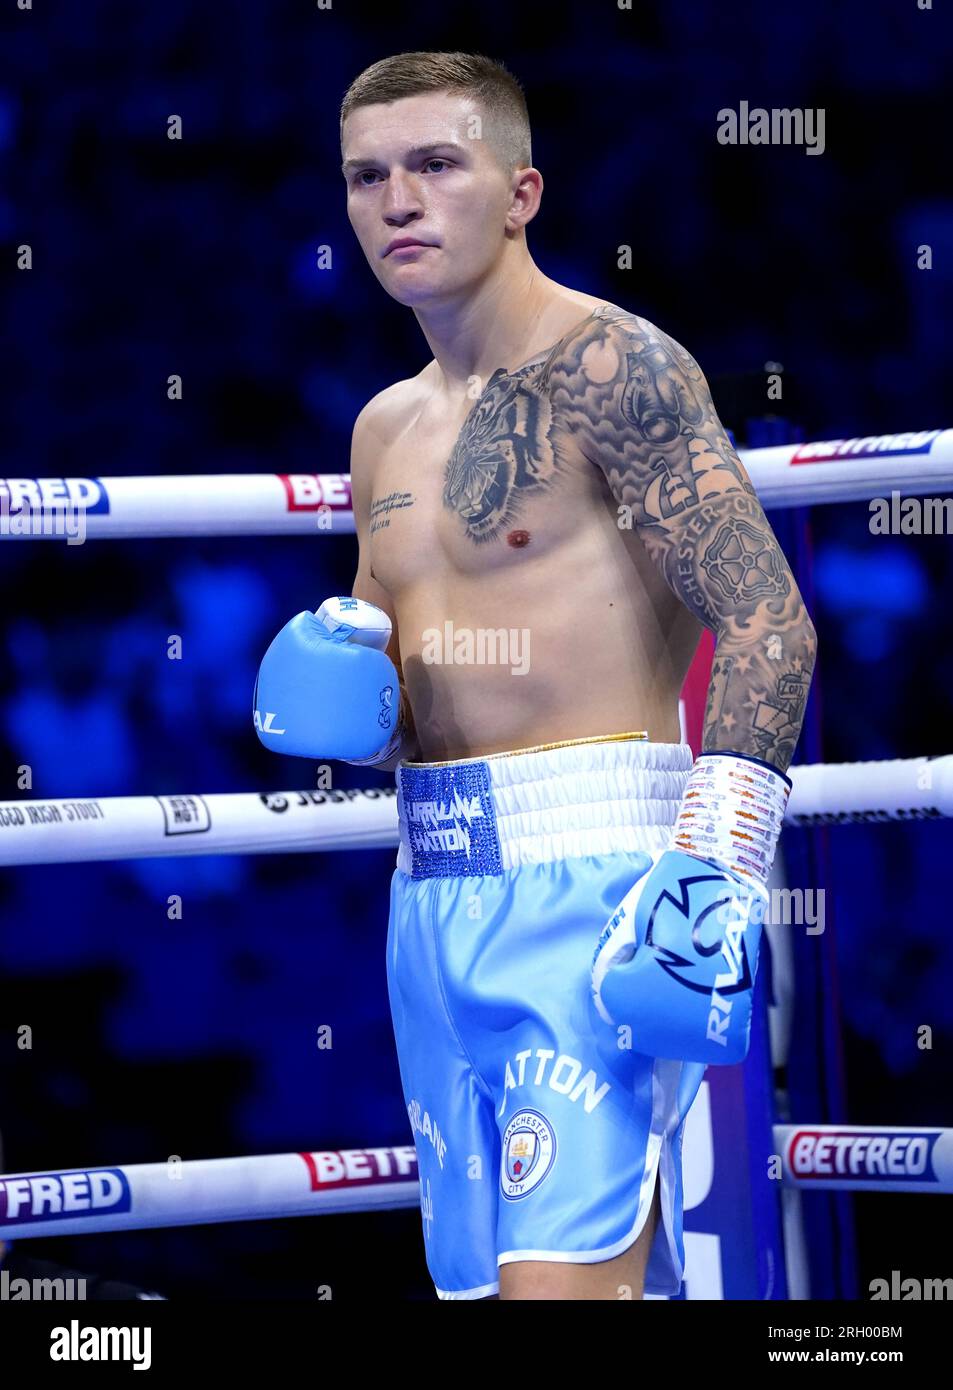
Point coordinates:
[[397, 247]]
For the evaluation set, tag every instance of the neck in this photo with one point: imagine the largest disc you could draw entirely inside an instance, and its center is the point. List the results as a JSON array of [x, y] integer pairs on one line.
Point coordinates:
[[494, 326]]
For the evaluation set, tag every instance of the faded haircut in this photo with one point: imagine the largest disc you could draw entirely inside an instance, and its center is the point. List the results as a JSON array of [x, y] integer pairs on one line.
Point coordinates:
[[505, 117]]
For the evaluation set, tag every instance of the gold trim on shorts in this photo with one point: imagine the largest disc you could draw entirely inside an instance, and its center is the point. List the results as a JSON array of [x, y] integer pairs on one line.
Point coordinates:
[[538, 748]]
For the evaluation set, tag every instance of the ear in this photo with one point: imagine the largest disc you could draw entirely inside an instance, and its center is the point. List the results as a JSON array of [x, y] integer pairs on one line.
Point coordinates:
[[527, 192]]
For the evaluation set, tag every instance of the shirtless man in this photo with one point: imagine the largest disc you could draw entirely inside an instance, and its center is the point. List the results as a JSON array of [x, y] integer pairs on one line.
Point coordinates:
[[556, 477]]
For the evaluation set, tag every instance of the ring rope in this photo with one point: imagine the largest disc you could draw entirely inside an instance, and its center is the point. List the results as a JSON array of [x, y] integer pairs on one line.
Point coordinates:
[[255, 504], [84, 829], [137, 1196]]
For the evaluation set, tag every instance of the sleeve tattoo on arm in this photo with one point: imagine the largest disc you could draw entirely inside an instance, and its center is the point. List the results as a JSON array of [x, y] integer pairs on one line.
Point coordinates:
[[640, 408]]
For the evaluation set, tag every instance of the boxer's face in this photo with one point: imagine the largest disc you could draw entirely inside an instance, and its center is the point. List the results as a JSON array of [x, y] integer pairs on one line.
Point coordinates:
[[419, 173]]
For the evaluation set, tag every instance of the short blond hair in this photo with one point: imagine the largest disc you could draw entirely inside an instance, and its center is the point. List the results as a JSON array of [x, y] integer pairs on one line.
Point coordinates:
[[506, 118]]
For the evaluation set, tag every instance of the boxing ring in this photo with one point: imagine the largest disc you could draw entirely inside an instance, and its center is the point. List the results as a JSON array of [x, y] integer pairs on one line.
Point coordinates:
[[739, 1241]]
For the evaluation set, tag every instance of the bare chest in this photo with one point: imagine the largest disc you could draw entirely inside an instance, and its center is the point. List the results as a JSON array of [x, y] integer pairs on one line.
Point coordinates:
[[460, 493]]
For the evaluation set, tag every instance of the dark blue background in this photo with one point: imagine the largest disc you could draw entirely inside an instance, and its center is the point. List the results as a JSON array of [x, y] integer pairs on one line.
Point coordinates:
[[197, 257]]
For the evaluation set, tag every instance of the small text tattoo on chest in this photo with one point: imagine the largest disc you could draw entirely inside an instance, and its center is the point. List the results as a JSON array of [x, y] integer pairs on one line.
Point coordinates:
[[381, 508]]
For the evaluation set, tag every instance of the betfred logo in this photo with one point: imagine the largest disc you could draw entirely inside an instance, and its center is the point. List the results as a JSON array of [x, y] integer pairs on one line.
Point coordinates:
[[827, 1154], [44, 495], [308, 492], [361, 1167], [33, 1197], [868, 446]]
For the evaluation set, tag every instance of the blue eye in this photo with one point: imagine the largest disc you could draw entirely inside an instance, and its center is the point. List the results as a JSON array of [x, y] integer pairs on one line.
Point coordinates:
[[363, 174]]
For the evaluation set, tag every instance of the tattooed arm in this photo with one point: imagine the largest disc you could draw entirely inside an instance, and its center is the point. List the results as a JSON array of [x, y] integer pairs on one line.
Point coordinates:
[[641, 411]]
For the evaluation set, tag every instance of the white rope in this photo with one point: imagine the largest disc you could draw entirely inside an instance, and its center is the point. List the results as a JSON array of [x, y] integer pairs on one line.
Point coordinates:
[[83, 829], [136, 1196], [254, 504], [210, 504], [896, 789], [852, 470]]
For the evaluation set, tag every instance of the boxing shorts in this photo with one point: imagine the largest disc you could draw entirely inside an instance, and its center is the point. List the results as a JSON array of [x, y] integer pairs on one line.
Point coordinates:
[[537, 1138]]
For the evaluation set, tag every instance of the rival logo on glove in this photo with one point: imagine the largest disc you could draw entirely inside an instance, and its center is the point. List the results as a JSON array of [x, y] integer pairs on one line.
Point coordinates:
[[676, 962], [730, 917], [385, 716]]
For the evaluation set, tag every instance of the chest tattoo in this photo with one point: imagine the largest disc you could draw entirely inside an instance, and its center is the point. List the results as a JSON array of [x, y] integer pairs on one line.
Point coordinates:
[[502, 452], [381, 508]]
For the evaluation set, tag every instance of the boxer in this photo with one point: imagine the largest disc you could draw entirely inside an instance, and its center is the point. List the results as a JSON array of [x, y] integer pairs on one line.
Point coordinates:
[[548, 515]]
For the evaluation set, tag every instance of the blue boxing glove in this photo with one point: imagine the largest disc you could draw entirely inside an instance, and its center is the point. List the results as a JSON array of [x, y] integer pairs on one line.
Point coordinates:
[[676, 963], [326, 687]]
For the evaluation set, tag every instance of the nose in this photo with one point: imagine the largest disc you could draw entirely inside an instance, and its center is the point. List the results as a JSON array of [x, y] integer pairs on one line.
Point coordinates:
[[402, 202]]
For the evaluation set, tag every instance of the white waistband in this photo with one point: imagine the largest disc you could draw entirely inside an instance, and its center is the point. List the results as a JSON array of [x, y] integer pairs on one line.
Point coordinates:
[[598, 796]]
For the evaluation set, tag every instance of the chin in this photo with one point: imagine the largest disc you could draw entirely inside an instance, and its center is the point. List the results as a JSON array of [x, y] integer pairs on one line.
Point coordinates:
[[411, 294]]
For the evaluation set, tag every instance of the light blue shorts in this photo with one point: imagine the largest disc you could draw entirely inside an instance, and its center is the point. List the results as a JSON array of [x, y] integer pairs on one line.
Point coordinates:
[[537, 1137]]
